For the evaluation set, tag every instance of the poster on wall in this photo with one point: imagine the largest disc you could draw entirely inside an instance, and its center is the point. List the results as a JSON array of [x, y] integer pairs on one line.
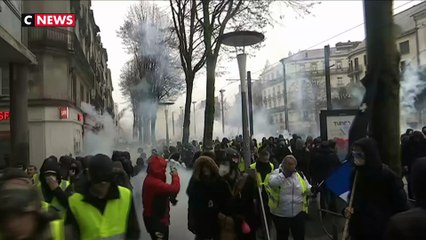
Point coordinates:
[[335, 124], [338, 126]]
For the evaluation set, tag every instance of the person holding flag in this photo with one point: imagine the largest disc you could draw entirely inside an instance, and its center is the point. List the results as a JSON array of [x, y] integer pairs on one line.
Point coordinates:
[[377, 191]]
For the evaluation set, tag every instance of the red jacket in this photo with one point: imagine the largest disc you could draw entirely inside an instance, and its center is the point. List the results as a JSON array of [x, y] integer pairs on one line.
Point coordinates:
[[156, 192]]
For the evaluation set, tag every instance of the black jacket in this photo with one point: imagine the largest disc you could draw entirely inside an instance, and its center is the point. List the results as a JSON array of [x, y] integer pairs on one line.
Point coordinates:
[[409, 225], [205, 201], [379, 194], [323, 163]]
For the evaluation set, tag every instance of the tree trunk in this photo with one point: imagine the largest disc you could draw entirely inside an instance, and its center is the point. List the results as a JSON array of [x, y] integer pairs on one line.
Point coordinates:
[[146, 129], [153, 122], [187, 116], [211, 60], [383, 61], [210, 108], [135, 125], [140, 126]]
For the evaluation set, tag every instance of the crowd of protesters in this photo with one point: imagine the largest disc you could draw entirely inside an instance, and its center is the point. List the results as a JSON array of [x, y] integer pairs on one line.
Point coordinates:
[[91, 197]]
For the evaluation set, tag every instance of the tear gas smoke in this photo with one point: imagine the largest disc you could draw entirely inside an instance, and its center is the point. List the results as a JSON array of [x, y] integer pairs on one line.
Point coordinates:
[[412, 86], [101, 141]]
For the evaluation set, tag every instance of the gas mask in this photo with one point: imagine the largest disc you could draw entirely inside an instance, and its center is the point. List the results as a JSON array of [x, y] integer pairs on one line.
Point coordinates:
[[224, 169], [359, 158]]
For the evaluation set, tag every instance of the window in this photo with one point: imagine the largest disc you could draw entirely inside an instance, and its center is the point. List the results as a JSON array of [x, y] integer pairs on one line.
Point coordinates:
[[314, 67], [273, 91], [306, 116], [402, 66], [356, 64], [4, 81], [365, 60], [339, 81], [74, 89], [404, 47], [339, 64], [281, 118], [351, 66]]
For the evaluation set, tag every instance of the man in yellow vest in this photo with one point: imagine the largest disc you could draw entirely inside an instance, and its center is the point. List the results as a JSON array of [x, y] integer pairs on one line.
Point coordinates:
[[264, 168], [21, 213], [288, 200], [52, 188], [102, 210]]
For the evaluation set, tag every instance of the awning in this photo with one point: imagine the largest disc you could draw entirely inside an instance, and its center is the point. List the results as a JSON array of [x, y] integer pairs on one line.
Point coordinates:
[[14, 51]]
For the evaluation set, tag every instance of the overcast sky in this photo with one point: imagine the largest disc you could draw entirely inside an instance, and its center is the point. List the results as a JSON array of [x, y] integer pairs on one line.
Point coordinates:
[[329, 18]]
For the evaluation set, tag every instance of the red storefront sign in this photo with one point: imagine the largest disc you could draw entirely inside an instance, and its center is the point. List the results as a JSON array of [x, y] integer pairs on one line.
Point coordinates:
[[80, 117], [4, 115], [63, 112]]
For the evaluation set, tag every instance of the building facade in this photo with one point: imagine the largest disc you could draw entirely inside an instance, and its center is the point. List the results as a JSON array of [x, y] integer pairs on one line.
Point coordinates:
[[15, 60], [411, 44], [306, 92], [72, 70]]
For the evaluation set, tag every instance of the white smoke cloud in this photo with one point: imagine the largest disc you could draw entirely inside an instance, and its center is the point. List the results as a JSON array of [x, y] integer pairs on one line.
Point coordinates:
[[411, 87], [103, 140]]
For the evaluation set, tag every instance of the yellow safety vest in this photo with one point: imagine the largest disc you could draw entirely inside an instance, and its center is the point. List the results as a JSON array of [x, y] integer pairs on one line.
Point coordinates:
[[45, 206], [57, 230], [260, 181], [36, 179], [55, 202], [109, 225], [242, 165], [274, 195]]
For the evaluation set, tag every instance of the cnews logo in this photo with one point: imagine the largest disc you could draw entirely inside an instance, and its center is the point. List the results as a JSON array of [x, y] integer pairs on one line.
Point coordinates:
[[48, 20]]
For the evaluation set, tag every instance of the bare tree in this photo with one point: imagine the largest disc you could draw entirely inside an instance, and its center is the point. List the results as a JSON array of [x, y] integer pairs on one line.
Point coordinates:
[[215, 18], [189, 34], [151, 76]]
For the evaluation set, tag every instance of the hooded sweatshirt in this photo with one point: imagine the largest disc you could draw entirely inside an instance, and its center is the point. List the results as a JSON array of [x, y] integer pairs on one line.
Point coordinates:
[[48, 195], [378, 195], [156, 192]]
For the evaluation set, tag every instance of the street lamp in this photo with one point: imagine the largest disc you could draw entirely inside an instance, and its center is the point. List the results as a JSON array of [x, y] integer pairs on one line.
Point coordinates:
[[223, 114], [173, 123], [166, 113], [243, 39], [182, 117], [195, 126]]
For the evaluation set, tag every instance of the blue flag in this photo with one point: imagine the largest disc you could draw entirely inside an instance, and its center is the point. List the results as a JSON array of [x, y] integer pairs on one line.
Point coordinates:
[[340, 181]]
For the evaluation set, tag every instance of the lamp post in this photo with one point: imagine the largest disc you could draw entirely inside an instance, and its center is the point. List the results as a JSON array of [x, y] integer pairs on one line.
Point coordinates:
[[181, 118], [195, 126], [243, 39], [223, 113], [166, 115], [285, 96], [173, 123]]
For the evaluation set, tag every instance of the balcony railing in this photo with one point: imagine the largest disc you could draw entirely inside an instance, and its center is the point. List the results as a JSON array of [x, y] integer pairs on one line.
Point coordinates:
[[58, 39], [342, 70], [316, 72], [50, 37], [352, 71]]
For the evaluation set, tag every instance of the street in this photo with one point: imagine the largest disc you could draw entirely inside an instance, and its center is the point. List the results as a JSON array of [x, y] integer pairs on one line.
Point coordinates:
[[178, 214]]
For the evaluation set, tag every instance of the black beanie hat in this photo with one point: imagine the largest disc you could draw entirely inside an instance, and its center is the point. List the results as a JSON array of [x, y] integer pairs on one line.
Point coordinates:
[[100, 168]]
